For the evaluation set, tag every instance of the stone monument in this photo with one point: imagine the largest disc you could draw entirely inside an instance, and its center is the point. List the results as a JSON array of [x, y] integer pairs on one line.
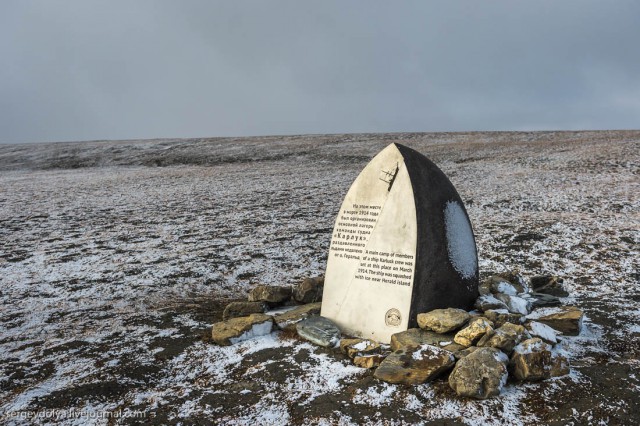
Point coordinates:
[[402, 244]]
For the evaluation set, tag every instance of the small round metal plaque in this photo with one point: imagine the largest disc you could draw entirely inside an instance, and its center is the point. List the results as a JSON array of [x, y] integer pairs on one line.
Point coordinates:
[[392, 317]]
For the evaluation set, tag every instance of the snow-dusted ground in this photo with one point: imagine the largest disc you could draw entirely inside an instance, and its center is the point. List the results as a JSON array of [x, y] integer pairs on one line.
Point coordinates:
[[115, 257]]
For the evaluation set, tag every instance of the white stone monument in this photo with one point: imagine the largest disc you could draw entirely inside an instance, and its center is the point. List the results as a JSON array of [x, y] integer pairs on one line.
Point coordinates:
[[402, 244]]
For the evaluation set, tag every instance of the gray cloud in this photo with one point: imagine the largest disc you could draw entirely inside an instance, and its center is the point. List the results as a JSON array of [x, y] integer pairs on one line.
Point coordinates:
[[80, 70]]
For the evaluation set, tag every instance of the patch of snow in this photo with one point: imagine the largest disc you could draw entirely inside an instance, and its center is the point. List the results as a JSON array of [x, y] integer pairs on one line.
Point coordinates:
[[543, 331], [507, 409], [635, 328], [490, 298], [543, 312], [374, 396], [256, 330], [506, 288], [322, 374], [361, 346], [264, 413], [413, 403], [501, 357], [460, 242], [424, 350], [517, 305], [280, 310]]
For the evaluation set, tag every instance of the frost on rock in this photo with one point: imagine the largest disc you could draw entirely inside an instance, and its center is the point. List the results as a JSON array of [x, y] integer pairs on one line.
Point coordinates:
[[255, 331], [506, 288], [362, 345], [515, 304], [543, 331], [460, 242]]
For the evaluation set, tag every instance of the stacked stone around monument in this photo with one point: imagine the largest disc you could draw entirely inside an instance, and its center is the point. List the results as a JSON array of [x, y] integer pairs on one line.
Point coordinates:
[[477, 351]]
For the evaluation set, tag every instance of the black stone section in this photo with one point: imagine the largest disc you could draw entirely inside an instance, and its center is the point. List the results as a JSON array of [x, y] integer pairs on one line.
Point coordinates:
[[436, 283]]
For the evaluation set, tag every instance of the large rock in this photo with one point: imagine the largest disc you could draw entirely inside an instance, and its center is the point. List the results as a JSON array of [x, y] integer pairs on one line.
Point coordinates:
[[515, 304], [567, 319], [543, 331], [288, 320], [500, 317], [309, 290], [481, 374], [548, 284], [415, 365], [414, 337], [504, 338], [534, 360], [242, 309], [353, 347], [319, 330], [477, 328], [488, 301], [443, 320], [238, 329], [270, 294]]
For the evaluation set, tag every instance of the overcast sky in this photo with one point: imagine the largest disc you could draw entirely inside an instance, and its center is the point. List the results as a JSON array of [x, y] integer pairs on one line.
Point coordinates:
[[83, 70]]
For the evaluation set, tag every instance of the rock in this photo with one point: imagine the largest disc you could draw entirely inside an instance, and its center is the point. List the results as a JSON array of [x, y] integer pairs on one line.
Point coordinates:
[[481, 374], [309, 290], [543, 331], [319, 330], [499, 317], [288, 320], [452, 347], [513, 284], [533, 360], [464, 352], [541, 300], [515, 279], [515, 304], [414, 337], [368, 361], [353, 347], [567, 319], [270, 294], [238, 329], [443, 320], [415, 365], [488, 301], [548, 284], [504, 338], [469, 335], [484, 288], [242, 309], [503, 287]]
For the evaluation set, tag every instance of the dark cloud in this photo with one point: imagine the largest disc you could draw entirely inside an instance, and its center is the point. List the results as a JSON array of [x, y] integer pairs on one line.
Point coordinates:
[[79, 70]]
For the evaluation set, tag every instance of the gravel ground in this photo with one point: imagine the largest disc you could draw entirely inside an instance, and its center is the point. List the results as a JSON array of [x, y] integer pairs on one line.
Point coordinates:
[[116, 257]]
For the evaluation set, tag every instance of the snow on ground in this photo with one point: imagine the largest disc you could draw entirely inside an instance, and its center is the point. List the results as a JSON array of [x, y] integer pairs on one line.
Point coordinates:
[[116, 257]]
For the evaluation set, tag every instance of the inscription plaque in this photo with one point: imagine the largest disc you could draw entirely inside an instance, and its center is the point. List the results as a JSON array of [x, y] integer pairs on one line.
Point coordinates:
[[402, 244]]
